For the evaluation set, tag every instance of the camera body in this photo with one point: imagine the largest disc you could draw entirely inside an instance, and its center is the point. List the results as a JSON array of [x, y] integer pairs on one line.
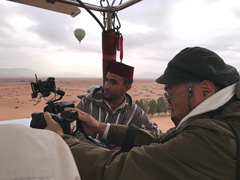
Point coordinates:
[[65, 118]]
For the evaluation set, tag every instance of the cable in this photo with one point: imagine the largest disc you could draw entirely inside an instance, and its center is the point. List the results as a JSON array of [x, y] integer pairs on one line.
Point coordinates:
[[90, 12]]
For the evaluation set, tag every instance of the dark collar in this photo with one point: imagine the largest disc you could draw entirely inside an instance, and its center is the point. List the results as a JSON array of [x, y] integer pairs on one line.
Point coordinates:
[[214, 112]]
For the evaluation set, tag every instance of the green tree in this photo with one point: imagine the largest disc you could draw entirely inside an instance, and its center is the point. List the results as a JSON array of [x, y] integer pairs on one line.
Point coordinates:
[[142, 104], [152, 107], [161, 106]]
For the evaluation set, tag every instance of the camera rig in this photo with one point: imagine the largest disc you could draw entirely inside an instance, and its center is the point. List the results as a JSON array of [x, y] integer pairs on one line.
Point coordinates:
[[67, 119]]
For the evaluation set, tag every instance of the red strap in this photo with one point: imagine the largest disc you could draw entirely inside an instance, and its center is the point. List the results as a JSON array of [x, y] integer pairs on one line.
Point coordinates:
[[120, 45]]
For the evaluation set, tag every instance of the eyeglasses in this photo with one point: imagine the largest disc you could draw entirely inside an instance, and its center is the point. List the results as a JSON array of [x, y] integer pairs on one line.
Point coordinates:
[[168, 97]]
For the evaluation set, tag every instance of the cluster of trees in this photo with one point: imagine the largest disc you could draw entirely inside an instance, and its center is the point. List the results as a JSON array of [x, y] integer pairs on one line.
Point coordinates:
[[152, 106]]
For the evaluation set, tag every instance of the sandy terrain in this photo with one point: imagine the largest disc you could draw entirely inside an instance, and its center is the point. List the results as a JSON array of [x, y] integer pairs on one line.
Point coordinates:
[[16, 101]]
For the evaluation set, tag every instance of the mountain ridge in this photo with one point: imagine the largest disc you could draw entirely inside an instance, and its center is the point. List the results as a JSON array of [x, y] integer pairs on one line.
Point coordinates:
[[29, 73]]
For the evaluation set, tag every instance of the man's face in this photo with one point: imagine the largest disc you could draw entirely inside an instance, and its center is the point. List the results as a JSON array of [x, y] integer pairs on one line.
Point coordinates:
[[182, 101], [114, 87]]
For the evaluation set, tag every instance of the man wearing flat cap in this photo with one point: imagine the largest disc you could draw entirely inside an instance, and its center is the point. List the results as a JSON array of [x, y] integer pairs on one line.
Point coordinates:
[[112, 104], [203, 94]]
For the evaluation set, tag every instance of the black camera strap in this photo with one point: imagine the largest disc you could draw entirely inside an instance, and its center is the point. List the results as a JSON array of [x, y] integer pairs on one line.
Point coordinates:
[[235, 129], [236, 132], [129, 138]]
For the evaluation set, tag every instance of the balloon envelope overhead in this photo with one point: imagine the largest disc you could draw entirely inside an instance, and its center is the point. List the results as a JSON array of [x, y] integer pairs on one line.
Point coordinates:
[[79, 34]]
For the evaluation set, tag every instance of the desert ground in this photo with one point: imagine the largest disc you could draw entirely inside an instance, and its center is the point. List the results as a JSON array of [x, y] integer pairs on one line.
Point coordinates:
[[16, 101]]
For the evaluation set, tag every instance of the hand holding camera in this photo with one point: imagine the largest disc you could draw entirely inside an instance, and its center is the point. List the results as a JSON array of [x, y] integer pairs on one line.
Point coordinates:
[[52, 125]]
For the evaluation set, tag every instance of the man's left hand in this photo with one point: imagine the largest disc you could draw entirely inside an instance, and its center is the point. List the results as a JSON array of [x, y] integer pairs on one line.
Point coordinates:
[[52, 125]]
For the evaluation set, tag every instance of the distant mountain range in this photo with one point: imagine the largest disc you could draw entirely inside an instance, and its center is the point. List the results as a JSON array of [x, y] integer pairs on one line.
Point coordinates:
[[29, 73], [26, 73], [147, 75], [17, 72]]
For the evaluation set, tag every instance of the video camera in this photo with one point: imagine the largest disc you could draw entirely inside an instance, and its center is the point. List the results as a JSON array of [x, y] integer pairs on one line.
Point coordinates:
[[67, 119]]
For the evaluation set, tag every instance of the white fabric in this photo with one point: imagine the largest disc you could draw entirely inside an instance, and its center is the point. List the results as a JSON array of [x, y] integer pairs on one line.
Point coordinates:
[[25, 121], [34, 154], [212, 103], [105, 134]]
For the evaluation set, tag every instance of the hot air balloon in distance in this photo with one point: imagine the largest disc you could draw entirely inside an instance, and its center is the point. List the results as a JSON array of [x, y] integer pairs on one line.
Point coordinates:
[[79, 34]]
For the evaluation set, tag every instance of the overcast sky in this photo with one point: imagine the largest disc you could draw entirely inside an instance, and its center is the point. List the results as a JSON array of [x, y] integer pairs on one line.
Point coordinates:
[[153, 31]]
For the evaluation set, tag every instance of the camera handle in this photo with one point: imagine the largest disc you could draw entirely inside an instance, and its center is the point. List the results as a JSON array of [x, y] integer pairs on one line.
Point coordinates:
[[50, 104], [50, 107]]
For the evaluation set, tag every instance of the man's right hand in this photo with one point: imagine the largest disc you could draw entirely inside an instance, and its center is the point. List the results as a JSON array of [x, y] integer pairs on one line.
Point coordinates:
[[90, 124]]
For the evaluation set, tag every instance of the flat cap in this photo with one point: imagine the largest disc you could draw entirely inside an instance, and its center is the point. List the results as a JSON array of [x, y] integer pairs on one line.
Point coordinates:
[[198, 64]]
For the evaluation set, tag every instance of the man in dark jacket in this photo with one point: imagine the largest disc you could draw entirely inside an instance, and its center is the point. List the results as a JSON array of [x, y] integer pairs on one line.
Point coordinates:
[[203, 95]]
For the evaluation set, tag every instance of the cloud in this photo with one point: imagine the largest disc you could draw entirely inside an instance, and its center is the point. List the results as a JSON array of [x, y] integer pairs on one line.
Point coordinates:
[[153, 32]]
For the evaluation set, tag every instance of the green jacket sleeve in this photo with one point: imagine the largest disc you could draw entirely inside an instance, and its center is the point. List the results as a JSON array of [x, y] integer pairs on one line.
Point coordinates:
[[195, 153], [117, 133]]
